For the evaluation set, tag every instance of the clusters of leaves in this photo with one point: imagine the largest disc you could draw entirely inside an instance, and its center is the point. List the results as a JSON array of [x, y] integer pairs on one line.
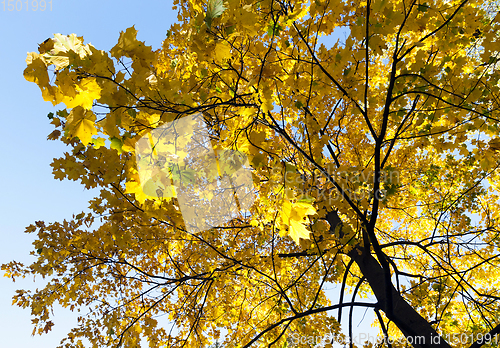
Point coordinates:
[[377, 156]]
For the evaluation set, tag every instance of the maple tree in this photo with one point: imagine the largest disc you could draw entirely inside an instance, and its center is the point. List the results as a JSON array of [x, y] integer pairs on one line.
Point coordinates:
[[374, 165]]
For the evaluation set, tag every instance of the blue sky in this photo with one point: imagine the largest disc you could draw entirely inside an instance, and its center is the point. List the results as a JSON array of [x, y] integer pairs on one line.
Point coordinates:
[[29, 191]]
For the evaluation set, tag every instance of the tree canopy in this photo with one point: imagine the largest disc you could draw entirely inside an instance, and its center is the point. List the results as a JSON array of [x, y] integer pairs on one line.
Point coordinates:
[[250, 162]]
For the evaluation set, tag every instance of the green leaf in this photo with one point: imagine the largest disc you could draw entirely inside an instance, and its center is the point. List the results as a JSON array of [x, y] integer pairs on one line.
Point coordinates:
[[98, 142], [298, 104], [423, 7], [391, 189], [50, 115], [274, 28], [184, 176], [306, 199], [79, 216], [62, 113], [214, 10], [400, 113], [116, 144], [230, 29], [132, 113]]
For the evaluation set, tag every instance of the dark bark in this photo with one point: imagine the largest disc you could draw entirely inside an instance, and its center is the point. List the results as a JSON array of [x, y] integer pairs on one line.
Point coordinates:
[[417, 330]]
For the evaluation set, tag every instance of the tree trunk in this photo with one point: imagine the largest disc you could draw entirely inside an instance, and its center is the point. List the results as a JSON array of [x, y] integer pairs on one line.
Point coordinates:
[[417, 330]]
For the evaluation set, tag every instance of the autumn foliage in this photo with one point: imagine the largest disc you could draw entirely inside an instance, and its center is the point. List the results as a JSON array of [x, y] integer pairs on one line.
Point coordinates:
[[374, 165]]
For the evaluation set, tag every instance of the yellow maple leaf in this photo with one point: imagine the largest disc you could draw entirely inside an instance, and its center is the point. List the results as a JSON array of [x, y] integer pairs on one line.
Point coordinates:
[[135, 188], [36, 71], [222, 51], [301, 209], [267, 100], [81, 124], [88, 91], [126, 42], [56, 51], [298, 230], [129, 46], [295, 216], [494, 144]]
